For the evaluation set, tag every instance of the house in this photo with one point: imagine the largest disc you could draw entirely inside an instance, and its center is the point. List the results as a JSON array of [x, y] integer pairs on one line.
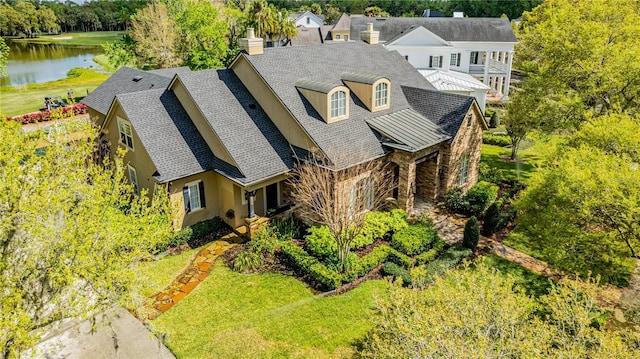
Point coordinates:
[[481, 47], [307, 19], [341, 30], [458, 83], [224, 141]]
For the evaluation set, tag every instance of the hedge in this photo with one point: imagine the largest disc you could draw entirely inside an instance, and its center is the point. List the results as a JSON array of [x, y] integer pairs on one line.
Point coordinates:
[[495, 139], [378, 224], [320, 242], [50, 115], [414, 240], [191, 233], [304, 262], [429, 255], [392, 269]]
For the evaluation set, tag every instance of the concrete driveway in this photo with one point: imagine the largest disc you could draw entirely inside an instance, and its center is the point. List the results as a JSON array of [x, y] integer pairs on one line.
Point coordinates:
[[126, 337]]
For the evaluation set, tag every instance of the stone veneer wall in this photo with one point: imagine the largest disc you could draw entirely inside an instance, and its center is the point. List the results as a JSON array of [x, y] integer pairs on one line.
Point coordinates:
[[408, 174]]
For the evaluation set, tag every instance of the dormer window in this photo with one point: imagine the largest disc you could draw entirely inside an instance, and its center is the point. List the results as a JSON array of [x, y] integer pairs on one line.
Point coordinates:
[[372, 90], [330, 100], [338, 104], [382, 90]]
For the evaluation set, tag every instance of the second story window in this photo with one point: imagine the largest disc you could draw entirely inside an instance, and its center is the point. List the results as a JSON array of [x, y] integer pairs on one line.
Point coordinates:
[[455, 60], [474, 58], [338, 104], [435, 61], [126, 134], [381, 94]]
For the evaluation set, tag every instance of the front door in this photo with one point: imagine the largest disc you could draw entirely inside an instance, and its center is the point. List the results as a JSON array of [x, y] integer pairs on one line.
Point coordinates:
[[272, 196]]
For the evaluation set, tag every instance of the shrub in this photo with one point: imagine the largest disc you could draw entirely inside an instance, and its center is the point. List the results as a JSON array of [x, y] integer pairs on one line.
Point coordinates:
[[400, 258], [287, 228], [424, 219], [491, 219], [175, 240], [489, 174], [378, 224], [451, 258], [367, 263], [495, 120], [320, 242], [490, 138], [247, 261], [394, 270], [471, 233], [455, 201], [479, 197], [414, 239], [429, 255], [310, 265], [205, 227], [265, 241]]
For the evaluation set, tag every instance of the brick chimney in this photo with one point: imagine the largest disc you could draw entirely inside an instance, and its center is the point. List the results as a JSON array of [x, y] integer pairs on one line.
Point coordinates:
[[370, 36], [251, 44]]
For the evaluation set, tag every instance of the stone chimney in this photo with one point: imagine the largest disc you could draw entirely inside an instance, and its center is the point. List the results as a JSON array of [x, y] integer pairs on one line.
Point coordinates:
[[370, 36], [251, 44]]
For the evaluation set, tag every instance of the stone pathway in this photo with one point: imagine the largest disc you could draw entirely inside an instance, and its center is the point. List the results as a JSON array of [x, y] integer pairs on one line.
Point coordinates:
[[188, 280], [449, 227]]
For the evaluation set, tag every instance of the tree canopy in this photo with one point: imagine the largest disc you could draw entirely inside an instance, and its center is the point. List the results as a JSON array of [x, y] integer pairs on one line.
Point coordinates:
[[71, 231]]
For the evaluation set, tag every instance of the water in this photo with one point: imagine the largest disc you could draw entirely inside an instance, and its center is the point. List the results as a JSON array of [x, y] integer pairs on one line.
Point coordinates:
[[37, 63]]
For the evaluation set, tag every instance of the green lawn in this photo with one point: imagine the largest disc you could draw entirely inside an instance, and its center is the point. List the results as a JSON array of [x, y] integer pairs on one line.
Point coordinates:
[[533, 283], [96, 38], [232, 315], [161, 273], [29, 98]]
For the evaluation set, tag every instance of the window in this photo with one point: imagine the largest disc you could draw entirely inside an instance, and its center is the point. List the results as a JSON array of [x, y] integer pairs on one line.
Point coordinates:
[[337, 36], [435, 61], [193, 196], [474, 58], [469, 119], [126, 135], [464, 170], [381, 94], [133, 178], [362, 195], [308, 20], [338, 104], [346, 37], [455, 59]]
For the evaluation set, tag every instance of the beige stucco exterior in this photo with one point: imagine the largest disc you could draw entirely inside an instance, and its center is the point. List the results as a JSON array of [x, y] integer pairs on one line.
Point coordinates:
[[321, 102], [340, 35], [367, 93]]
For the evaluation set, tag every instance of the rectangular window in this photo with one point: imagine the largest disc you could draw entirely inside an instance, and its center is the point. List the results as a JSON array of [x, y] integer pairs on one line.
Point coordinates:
[[193, 196], [454, 60], [337, 36], [126, 134], [133, 178], [469, 119], [435, 61], [474, 58], [464, 170], [346, 37], [362, 196]]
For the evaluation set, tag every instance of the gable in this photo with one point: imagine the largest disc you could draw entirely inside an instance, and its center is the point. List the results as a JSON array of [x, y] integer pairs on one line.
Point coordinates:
[[418, 36]]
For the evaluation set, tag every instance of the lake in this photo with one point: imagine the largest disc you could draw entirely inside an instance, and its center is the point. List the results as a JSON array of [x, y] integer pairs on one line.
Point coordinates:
[[37, 63]]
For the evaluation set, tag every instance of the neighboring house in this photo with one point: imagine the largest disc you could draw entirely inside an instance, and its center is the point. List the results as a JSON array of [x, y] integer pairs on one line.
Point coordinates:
[[224, 141], [458, 83], [341, 30], [481, 47], [307, 19]]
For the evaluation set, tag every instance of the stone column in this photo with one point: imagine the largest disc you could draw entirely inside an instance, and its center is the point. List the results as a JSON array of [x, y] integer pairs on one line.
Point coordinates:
[[407, 184]]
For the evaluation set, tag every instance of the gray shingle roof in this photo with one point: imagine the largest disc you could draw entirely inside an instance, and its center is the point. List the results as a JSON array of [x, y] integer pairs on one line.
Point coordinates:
[[311, 36], [343, 23], [408, 130], [360, 77], [449, 29], [247, 133], [122, 81], [316, 85], [170, 138], [444, 109], [282, 67], [170, 72]]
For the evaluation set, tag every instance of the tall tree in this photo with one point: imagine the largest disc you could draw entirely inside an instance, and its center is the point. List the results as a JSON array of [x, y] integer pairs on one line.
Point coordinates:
[[157, 41], [4, 57], [71, 232], [340, 198]]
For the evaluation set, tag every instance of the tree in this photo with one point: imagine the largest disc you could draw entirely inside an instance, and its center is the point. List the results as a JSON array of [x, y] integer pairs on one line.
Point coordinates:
[[481, 313], [340, 197], [583, 204], [471, 234], [71, 232], [4, 57], [47, 20], [157, 41], [571, 49], [120, 53], [375, 11]]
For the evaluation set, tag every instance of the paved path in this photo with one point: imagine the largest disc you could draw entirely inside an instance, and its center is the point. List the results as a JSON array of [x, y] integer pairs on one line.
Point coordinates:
[[125, 337], [188, 280], [449, 227]]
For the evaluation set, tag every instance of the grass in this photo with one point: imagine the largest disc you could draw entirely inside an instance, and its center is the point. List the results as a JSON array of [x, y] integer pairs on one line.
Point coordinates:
[[162, 272], [232, 315], [21, 99], [95, 38], [533, 283]]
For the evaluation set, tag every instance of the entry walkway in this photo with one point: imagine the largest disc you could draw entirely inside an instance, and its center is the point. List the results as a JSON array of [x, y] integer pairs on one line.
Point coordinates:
[[188, 280]]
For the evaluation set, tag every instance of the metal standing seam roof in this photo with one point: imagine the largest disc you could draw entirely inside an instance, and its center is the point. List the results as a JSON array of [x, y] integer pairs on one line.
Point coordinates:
[[316, 85], [410, 129], [361, 78], [452, 81]]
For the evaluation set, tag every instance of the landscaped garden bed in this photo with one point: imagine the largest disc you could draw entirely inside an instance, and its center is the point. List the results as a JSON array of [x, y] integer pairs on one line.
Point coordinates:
[[50, 115]]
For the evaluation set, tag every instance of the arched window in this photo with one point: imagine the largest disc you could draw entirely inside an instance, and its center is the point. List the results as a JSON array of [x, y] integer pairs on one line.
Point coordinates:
[[338, 104], [381, 94]]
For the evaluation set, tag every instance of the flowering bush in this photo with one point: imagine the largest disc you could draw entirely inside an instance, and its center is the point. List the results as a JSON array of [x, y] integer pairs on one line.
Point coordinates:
[[50, 115]]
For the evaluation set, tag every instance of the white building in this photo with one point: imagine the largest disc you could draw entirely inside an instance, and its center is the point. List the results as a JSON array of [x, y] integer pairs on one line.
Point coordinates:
[[457, 83], [307, 19], [481, 47]]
